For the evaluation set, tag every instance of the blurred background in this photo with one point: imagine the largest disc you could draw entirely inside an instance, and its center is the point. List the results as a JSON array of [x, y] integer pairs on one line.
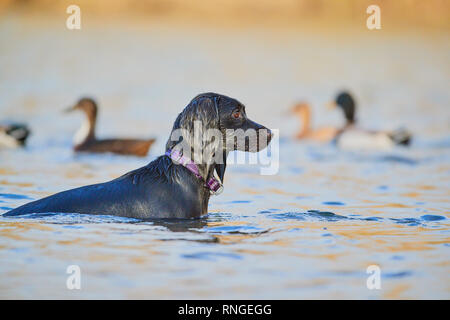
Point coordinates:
[[144, 60], [137, 56]]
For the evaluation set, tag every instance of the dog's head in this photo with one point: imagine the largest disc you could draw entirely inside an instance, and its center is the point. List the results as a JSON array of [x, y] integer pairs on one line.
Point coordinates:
[[211, 126]]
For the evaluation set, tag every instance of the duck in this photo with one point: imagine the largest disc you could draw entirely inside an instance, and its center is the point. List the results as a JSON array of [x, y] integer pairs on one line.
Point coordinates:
[[323, 135], [350, 136], [85, 139], [13, 135]]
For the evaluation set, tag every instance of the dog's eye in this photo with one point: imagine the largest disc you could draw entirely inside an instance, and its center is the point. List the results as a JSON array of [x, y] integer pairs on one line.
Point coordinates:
[[236, 114]]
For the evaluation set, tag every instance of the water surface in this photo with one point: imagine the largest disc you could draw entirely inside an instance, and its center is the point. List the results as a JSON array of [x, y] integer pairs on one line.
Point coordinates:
[[309, 231]]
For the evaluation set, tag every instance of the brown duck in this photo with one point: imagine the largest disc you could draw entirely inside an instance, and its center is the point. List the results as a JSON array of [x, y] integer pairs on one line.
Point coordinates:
[[85, 140], [324, 134]]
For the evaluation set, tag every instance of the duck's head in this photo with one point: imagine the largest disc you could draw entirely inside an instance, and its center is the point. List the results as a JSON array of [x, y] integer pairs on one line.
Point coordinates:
[[87, 129], [345, 101], [301, 109], [87, 105]]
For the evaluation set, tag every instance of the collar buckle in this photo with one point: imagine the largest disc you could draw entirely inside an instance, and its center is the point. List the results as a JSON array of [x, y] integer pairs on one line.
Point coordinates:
[[218, 191], [214, 186]]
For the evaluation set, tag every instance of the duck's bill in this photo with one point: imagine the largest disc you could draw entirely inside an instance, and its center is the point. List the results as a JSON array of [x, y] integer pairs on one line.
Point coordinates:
[[69, 109], [289, 112]]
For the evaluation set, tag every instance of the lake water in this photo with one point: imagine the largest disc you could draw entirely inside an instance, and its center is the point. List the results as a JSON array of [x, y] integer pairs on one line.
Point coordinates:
[[309, 231]]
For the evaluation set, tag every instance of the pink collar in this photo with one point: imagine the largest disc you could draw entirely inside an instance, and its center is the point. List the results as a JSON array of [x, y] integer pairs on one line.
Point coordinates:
[[214, 186]]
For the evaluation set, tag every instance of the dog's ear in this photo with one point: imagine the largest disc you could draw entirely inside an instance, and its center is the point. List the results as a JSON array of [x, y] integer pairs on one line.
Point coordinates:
[[196, 130], [203, 109], [173, 138], [220, 167]]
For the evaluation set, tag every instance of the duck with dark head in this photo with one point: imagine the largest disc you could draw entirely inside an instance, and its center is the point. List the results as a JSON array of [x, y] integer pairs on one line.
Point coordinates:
[[350, 136], [85, 139], [13, 135]]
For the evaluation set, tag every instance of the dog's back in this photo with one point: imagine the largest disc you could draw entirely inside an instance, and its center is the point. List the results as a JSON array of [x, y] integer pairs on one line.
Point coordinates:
[[153, 191]]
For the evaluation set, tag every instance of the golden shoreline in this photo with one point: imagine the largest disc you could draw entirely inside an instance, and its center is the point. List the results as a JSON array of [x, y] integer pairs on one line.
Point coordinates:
[[398, 15]]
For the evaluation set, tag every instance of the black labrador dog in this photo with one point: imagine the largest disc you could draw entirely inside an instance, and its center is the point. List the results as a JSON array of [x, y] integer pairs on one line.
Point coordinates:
[[177, 184]]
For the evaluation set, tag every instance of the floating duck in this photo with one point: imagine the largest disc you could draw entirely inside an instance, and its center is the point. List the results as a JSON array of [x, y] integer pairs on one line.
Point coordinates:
[[323, 134], [352, 137], [85, 140], [13, 135]]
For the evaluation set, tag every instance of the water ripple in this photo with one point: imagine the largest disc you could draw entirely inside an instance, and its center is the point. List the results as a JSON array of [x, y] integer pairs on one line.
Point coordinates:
[[14, 196], [212, 256], [235, 229]]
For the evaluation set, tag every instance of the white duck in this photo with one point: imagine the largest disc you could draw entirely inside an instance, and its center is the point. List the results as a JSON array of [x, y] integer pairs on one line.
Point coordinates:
[[13, 135]]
